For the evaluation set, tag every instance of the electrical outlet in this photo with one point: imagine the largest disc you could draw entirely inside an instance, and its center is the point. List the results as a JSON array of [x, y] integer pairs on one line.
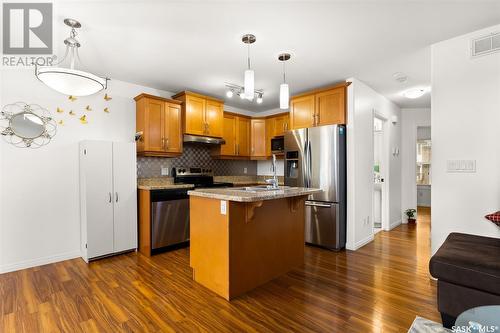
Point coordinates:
[[245, 170], [164, 171]]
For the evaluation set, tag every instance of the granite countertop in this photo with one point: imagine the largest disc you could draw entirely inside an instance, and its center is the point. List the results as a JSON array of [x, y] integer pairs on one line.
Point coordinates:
[[240, 195], [160, 183], [165, 183], [246, 180]]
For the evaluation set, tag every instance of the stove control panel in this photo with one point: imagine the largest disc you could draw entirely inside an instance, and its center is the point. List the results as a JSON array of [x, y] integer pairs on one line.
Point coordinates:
[[192, 171]]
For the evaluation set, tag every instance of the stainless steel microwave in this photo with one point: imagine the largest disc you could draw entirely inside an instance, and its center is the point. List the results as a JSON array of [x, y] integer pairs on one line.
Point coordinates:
[[278, 145]]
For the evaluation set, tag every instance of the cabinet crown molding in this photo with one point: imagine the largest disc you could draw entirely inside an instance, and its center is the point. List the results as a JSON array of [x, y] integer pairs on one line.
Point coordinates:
[[322, 89], [143, 95], [190, 93]]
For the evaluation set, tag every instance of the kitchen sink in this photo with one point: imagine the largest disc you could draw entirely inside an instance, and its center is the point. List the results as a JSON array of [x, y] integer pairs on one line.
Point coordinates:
[[259, 188]]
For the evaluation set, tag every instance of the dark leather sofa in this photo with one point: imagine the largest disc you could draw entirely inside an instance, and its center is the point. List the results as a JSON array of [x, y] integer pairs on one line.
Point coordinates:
[[468, 271]]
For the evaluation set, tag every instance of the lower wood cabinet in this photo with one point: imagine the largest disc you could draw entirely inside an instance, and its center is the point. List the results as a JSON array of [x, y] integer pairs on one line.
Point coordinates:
[[159, 122], [108, 198]]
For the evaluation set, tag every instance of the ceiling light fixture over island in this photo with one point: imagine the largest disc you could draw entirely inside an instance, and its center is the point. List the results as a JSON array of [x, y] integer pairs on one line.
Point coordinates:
[[241, 238]]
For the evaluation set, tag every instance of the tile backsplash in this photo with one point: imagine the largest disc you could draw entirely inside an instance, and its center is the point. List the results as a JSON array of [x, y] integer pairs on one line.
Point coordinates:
[[194, 155]]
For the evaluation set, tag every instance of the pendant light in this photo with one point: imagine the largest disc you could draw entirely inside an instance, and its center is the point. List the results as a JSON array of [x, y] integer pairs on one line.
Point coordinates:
[[284, 90], [70, 81], [249, 82]]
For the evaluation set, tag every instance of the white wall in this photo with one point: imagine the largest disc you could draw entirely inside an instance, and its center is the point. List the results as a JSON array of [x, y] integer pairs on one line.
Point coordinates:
[[410, 119], [39, 191], [362, 102], [465, 120], [264, 168]]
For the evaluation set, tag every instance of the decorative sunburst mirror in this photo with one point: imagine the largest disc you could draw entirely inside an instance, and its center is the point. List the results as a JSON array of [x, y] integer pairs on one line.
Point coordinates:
[[27, 125]]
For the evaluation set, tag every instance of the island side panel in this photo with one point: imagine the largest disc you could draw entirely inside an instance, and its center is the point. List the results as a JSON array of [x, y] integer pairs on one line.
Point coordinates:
[[265, 242], [209, 244]]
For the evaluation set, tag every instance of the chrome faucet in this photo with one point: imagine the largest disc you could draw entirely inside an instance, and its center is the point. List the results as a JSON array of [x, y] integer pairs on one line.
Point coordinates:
[[273, 182]]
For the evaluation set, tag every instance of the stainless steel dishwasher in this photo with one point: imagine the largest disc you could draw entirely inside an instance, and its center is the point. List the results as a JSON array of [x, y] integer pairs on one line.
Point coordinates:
[[169, 219]]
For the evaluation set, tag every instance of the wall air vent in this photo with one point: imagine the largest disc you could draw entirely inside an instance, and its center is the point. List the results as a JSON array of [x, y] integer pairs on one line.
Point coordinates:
[[485, 45]]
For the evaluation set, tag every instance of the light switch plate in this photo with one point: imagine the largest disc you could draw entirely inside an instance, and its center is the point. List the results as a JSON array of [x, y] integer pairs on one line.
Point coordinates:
[[223, 207], [164, 171], [245, 170], [461, 166]]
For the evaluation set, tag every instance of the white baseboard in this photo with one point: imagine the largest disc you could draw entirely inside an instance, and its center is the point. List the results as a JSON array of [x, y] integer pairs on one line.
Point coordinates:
[[38, 262], [394, 225], [360, 244]]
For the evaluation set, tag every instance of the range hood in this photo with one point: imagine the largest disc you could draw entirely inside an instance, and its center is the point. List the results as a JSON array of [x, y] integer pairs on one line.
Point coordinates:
[[203, 139]]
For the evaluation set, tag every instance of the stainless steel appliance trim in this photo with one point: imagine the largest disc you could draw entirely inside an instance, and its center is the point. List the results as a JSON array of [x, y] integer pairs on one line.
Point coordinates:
[[203, 139], [319, 204]]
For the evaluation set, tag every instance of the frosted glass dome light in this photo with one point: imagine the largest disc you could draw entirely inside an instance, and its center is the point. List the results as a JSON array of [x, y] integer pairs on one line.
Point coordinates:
[[70, 81]]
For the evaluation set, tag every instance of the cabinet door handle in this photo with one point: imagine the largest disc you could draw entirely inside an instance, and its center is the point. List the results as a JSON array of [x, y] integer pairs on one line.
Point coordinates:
[[116, 194], [166, 142], [110, 197]]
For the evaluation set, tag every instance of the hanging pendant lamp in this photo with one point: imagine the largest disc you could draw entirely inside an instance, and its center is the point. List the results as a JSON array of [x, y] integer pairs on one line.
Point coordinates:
[[249, 82], [284, 89], [70, 81]]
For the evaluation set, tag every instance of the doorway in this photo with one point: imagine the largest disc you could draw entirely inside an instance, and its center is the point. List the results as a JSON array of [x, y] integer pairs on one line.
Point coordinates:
[[380, 174], [423, 169]]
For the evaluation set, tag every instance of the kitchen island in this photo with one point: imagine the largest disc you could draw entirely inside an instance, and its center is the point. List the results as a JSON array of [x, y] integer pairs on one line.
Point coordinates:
[[241, 238]]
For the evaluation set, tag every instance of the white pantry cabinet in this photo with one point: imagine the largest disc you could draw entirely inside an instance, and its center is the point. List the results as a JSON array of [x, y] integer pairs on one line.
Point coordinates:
[[108, 198]]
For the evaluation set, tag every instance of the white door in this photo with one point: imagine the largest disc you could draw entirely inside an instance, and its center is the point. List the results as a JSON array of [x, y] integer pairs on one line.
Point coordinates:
[[97, 178], [125, 196]]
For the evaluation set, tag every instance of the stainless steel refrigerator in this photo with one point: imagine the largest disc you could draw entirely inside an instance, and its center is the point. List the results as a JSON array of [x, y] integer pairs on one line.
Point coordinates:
[[316, 157]]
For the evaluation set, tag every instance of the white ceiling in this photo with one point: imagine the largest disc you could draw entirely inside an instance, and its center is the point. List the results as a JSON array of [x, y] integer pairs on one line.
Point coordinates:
[[196, 45]]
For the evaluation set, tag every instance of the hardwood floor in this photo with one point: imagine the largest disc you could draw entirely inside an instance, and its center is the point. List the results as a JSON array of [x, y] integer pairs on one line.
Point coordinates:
[[379, 288]]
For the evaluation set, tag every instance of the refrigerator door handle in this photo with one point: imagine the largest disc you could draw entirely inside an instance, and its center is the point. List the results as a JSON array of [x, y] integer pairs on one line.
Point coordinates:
[[309, 167], [319, 204], [304, 163]]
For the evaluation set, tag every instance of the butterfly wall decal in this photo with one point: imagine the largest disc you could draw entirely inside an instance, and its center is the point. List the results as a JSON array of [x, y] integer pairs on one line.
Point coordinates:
[[106, 110], [72, 98], [59, 110], [107, 98], [83, 119]]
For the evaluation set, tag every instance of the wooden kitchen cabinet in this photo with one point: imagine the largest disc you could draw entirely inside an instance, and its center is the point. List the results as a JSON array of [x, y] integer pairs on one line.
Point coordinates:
[[326, 106], [243, 137], [202, 115], [237, 134], [214, 118], [302, 112], [281, 124], [158, 120], [331, 107], [258, 138], [229, 135]]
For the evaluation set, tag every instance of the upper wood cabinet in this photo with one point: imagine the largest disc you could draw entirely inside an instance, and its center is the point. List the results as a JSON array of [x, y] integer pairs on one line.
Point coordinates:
[[302, 112], [243, 136], [159, 121], [278, 124], [214, 118], [258, 138], [202, 115], [325, 106], [237, 133]]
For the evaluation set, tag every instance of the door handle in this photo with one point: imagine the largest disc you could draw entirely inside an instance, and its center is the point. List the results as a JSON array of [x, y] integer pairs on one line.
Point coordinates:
[[318, 204], [166, 143], [116, 194], [110, 197]]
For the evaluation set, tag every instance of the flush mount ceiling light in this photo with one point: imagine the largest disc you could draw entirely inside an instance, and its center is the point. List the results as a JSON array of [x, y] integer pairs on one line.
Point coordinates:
[[70, 81], [249, 73], [232, 89], [414, 93], [284, 89]]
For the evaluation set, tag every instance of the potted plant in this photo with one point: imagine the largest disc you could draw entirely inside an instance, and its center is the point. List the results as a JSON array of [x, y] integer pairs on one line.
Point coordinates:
[[410, 214]]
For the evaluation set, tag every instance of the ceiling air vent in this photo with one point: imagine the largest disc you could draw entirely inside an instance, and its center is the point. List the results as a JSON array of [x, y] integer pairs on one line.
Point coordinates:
[[486, 45]]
